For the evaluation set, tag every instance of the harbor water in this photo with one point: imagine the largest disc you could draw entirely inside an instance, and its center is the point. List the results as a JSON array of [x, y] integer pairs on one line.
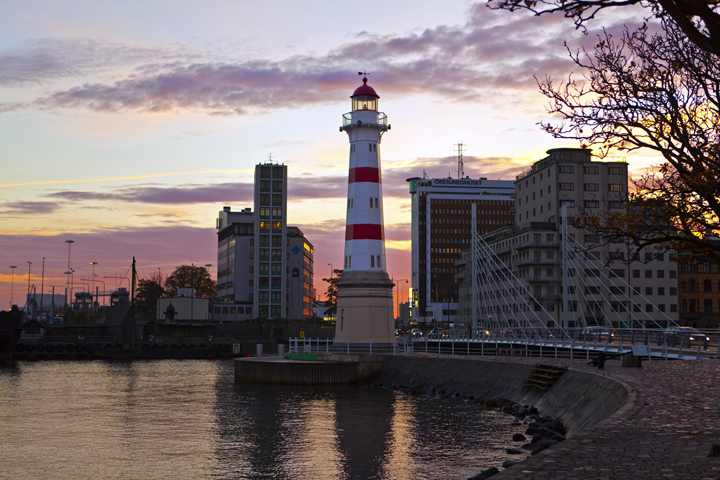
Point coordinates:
[[189, 419]]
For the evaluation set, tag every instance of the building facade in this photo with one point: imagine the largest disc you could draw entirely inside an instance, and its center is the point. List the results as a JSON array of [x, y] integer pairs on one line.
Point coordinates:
[[608, 284], [265, 268], [699, 291], [441, 230]]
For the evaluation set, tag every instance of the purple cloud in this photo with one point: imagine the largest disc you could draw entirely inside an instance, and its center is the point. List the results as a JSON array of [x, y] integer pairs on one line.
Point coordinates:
[[492, 51]]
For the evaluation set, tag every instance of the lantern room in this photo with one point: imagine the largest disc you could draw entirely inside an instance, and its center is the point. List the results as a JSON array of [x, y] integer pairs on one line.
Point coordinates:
[[364, 98]]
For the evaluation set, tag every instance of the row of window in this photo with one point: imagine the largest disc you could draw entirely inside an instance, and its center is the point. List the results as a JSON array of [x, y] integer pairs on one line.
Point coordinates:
[[233, 310], [265, 198], [276, 212], [693, 286], [693, 305], [590, 170], [590, 187], [266, 227], [374, 203], [265, 172]]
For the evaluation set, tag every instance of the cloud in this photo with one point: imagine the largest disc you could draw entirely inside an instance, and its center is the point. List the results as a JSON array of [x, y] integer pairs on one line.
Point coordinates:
[[492, 52], [14, 209]]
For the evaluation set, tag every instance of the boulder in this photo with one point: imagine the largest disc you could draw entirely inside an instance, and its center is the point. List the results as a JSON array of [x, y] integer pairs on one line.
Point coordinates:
[[509, 463], [486, 474], [513, 451], [519, 437]]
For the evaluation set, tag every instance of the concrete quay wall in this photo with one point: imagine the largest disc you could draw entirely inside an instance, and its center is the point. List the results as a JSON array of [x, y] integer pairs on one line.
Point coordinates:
[[580, 399]]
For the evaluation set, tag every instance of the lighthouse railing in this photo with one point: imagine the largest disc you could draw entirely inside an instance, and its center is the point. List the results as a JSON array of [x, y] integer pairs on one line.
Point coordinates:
[[381, 119]]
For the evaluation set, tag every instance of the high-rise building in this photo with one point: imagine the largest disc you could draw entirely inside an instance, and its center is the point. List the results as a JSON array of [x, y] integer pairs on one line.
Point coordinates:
[[265, 268], [441, 229], [605, 285]]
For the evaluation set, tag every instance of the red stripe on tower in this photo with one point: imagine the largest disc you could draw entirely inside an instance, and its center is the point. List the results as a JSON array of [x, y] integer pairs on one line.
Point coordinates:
[[364, 231], [364, 174]]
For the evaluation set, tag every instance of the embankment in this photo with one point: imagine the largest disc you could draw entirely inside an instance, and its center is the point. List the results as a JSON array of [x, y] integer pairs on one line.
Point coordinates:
[[579, 399]]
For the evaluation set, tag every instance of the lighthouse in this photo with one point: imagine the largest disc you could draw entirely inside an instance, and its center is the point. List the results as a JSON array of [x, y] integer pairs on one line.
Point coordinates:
[[365, 305]]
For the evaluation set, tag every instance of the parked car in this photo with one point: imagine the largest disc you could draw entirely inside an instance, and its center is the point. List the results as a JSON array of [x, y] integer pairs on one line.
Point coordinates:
[[438, 333], [673, 335], [416, 333]]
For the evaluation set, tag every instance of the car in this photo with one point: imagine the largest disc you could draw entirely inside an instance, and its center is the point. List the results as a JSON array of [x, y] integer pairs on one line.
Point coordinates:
[[438, 333], [597, 332], [688, 335], [416, 333]]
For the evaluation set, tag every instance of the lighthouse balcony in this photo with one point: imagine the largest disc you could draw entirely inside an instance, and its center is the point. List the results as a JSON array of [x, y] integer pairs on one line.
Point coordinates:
[[365, 118]]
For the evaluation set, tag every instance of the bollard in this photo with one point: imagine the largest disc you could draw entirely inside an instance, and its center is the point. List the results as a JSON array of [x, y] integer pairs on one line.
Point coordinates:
[[259, 350], [281, 350], [602, 356]]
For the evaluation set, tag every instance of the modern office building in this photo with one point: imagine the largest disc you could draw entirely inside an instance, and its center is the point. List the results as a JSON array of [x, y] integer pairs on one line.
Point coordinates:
[[265, 268], [604, 287], [441, 227]]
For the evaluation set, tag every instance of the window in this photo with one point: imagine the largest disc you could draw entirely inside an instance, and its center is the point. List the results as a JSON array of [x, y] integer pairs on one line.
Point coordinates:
[[252, 255], [549, 255], [673, 290], [277, 199], [264, 282], [615, 187], [648, 290], [566, 186], [277, 212], [549, 272], [566, 169], [277, 186], [549, 237], [567, 203], [264, 240], [264, 172], [648, 256], [591, 187], [673, 308], [708, 305], [592, 289], [615, 204], [264, 199], [264, 213], [277, 268], [278, 172], [276, 255], [592, 272], [592, 204], [252, 269], [615, 170], [648, 273], [661, 307], [277, 227], [372, 261], [617, 255], [264, 254], [591, 170], [673, 257], [592, 238], [661, 274], [636, 274], [264, 185], [617, 290], [617, 272], [661, 290], [277, 241], [649, 307], [673, 273]]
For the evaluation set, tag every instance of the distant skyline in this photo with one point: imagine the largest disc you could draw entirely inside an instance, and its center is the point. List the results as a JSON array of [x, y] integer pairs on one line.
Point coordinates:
[[127, 126]]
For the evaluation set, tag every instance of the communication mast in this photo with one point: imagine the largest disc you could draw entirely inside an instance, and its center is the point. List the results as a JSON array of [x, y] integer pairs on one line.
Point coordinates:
[[461, 170]]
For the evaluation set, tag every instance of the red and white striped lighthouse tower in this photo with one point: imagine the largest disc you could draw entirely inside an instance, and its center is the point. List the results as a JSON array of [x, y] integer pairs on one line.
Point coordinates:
[[365, 306]]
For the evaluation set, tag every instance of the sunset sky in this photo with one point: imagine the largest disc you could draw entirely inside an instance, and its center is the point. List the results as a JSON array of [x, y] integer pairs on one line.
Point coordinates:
[[127, 126]]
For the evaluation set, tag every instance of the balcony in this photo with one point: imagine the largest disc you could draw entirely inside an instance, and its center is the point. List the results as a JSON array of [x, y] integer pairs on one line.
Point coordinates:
[[381, 119]]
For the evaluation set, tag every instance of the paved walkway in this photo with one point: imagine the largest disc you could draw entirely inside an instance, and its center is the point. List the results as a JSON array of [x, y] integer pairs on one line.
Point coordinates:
[[665, 432]]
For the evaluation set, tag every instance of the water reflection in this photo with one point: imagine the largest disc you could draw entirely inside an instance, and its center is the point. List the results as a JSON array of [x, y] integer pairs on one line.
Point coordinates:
[[188, 419]]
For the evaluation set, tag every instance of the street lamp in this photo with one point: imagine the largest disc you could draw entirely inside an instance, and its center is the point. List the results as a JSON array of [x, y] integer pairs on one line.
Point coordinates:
[[397, 297], [93, 275], [12, 284], [69, 242], [331, 271], [95, 280], [29, 266]]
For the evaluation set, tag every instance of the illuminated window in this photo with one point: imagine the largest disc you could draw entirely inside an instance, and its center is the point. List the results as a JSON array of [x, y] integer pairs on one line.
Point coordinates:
[[264, 226], [615, 187], [276, 227]]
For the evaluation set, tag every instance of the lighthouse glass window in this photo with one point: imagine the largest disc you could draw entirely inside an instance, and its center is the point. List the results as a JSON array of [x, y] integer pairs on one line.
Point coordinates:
[[364, 104]]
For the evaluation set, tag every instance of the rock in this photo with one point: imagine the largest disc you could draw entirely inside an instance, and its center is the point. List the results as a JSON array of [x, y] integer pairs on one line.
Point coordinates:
[[533, 410], [537, 450], [536, 438], [515, 422], [556, 436], [513, 451], [486, 474], [519, 437], [509, 463], [547, 443], [715, 450], [531, 430], [507, 409], [529, 446]]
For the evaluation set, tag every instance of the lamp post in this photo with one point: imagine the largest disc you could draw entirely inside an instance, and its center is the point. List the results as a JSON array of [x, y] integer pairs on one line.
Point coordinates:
[[397, 297], [94, 280], [12, 284], [69, 242], [28, 289]]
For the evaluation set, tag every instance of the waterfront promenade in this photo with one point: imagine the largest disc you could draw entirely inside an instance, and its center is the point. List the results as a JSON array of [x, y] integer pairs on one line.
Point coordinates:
[[665, 431]]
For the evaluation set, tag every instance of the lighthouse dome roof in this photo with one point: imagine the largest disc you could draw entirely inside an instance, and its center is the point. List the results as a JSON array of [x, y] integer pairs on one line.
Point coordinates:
[[364, 89]]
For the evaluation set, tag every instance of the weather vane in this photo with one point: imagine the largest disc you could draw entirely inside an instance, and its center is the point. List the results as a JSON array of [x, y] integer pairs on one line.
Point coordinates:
[[364, 73]]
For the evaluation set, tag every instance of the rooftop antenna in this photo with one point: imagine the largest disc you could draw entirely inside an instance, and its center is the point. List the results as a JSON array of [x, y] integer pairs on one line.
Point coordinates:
[[270, 158], [425, 176], [461, 170]]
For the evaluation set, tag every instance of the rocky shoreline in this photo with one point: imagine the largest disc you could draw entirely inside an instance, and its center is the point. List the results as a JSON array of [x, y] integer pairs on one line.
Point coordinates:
[[542, 431]]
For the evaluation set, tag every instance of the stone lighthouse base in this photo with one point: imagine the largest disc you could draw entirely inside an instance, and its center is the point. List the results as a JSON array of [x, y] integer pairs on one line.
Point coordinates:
[[365, 308]]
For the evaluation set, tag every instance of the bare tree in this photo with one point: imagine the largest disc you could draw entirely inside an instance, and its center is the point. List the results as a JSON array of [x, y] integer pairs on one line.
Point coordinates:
[[657, 92], [697, 19]]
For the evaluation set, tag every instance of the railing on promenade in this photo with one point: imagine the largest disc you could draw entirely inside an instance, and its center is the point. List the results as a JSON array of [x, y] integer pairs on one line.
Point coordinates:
[[574, 343]]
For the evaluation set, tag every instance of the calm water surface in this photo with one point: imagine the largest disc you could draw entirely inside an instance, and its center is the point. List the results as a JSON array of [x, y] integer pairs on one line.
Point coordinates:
[[188, 419]]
